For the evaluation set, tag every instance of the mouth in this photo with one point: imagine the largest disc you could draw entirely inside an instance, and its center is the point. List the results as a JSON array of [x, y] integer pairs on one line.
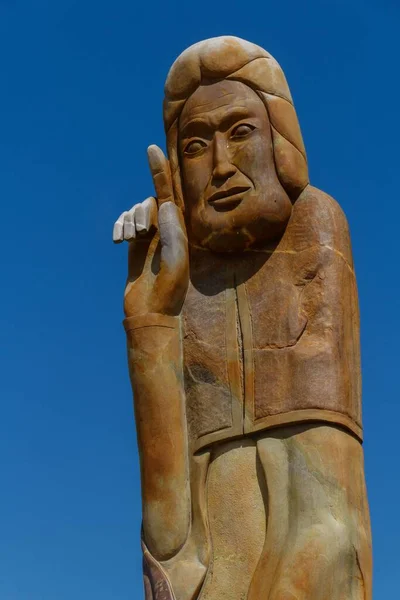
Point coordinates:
[[227, 199]]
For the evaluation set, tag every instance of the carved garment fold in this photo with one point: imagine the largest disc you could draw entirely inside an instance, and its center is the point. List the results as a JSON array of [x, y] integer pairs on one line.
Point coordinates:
[[271, 337]]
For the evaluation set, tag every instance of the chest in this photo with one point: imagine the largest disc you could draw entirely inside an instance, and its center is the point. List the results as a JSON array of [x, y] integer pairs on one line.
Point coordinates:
[[233, 312]]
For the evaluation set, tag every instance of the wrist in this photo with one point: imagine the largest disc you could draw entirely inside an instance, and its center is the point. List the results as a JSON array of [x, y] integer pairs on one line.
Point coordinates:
[[150, 320]]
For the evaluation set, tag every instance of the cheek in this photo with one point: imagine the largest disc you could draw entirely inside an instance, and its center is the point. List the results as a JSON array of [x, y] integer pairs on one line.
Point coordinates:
[[255, 158], [196, 174]]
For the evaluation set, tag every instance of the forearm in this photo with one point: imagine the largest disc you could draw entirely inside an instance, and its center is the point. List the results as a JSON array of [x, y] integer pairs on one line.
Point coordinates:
[[155, 367]]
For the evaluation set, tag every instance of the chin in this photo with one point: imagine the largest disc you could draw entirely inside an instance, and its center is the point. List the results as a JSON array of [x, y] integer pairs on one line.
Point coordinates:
[[225, 238], [228, 241], [256, 221]]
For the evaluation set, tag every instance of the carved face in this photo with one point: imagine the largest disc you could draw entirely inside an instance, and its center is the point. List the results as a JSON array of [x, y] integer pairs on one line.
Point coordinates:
[[232, 194]]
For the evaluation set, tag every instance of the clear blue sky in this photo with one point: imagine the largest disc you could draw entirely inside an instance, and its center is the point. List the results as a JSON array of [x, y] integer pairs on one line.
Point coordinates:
[[82, 87]]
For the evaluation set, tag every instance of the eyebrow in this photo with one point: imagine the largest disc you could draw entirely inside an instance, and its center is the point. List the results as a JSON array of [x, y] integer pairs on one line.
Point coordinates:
[[192, 127]]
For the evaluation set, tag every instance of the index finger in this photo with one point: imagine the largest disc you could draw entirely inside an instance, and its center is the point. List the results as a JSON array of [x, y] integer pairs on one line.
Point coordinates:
[[118, 231], [161, 173]]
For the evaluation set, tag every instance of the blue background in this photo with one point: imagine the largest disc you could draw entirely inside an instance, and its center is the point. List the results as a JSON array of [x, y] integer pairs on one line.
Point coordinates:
[[82, 87]]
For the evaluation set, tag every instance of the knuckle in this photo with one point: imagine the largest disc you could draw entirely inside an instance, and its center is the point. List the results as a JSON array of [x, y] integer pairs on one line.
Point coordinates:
[[149, 203]]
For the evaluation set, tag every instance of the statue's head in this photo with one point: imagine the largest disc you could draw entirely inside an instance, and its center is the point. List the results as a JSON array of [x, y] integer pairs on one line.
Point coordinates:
[[234, 143]]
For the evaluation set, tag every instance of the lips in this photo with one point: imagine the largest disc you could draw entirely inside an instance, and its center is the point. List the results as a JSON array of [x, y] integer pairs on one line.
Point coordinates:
[[227, 196]]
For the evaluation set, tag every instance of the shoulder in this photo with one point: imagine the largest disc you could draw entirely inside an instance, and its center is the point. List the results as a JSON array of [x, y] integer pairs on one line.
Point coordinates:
[[317, 219], [321, 206]]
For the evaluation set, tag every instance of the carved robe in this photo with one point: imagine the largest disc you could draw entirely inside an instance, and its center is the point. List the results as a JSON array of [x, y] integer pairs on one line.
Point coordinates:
[[271, 337], [270, 340]]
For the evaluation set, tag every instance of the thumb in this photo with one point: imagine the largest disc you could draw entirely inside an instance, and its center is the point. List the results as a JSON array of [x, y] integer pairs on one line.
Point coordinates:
[[161, 173], [173, 236], [173, 277], [170, 220]]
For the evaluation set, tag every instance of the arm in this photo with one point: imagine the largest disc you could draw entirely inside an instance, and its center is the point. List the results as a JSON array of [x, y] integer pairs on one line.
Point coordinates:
[[330, 345], [154, 358], [155, 290]]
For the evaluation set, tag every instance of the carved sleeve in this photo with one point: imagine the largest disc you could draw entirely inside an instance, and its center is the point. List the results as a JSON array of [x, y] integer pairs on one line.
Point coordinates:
[[155, 367]]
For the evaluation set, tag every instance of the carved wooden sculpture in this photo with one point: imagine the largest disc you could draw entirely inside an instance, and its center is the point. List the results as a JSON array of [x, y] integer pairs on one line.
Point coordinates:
[[243, 343]]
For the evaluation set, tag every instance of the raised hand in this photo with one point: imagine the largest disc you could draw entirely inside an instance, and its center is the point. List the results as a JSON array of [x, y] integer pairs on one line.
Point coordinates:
[[158, 271]]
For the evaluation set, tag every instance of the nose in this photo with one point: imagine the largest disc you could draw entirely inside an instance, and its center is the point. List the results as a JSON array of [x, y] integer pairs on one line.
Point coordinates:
[[223, 168]]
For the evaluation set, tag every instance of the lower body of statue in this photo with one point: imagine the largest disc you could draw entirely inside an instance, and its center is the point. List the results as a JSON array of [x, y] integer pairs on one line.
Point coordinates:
[[283, 516]]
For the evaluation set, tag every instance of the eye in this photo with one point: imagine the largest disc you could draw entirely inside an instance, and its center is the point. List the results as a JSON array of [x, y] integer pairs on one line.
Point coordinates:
[[194, 147], [242, 130]]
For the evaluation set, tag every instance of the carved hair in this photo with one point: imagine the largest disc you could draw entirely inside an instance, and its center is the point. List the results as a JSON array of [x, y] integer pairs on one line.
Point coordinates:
[[232, 58]]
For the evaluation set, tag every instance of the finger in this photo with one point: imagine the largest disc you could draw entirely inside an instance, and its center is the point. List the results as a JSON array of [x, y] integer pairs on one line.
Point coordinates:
[[172, 236], [146, 216], [129, 225], [118, 231], [161, 173]]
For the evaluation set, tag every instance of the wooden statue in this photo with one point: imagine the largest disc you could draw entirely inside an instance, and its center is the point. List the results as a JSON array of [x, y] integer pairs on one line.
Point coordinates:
[[243, 343]]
